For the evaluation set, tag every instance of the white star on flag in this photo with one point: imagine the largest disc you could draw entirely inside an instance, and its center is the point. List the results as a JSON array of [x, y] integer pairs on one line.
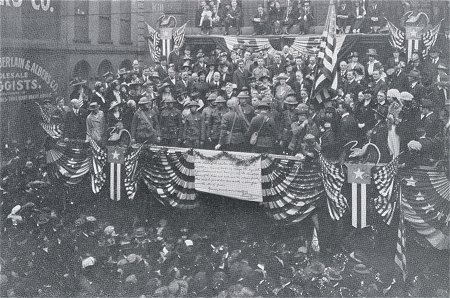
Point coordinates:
[[420, 197], [411, 181], [358, 174], [115, 155]]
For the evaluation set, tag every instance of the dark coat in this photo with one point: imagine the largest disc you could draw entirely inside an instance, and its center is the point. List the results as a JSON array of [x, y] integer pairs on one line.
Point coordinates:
[[430, 123], [348, 129], [75, 125], [399, 81], [266, 128], [240, 78], [232, 133]]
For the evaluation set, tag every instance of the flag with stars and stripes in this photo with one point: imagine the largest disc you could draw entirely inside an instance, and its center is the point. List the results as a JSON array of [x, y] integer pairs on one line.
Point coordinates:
[[98, 162], [153, 41], [384, 180], [51, 128], [333, 179], [327, 57], [429, 38], [255, 43], [359, 176], [400, 253], [396, 36], [131, 175], [425, 203], [178, 35], [116, 158]]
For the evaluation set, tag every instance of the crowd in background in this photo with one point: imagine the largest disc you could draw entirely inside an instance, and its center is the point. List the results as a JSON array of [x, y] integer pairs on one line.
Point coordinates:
[[352, 16], [246, 100]]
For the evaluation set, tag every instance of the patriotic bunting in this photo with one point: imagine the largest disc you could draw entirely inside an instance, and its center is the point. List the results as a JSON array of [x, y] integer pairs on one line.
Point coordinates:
[[384, 179], [429, 38], [359, 175], [131, 171], [425, 204], [289, 192], [51, 129], [333, 178], [400, 254], [98, 162], [396, 36], [116, 157], [153, 41], [178, 35]]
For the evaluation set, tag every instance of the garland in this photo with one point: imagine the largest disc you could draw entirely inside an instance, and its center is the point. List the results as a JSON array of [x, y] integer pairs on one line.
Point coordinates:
[[238, 161]]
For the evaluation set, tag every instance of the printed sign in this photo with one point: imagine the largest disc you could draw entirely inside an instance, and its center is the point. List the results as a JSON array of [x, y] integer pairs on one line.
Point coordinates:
[[22, 79], [224, 177]]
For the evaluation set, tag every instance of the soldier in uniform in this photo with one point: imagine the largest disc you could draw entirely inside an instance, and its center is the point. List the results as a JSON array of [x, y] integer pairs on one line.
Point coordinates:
[[288, 117], [171, 123], [247, 110], [145, 124], [206, 118], [213, 128], [232, 128], [265, 126], [192, 127], [301, 127]]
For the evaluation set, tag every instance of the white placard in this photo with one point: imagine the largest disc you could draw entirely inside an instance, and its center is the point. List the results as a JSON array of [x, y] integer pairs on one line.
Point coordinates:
[[226, 178]]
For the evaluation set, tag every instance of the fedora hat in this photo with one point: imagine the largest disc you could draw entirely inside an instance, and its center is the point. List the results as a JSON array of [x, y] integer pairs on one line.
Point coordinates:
[[93, 106], [290, 100], [371, 52], [144, 100], [415, 74]]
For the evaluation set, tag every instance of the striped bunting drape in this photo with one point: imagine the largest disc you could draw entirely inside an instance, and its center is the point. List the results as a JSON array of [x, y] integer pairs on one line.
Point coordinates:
[[170, 176], [384, 179], [289, 192]]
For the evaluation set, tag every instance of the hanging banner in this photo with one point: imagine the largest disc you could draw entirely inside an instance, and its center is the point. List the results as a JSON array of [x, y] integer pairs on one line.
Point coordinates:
[[231, 174], [22, 79]]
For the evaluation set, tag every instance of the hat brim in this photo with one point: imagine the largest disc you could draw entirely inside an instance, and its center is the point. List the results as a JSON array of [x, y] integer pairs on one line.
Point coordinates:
[[83, 82]]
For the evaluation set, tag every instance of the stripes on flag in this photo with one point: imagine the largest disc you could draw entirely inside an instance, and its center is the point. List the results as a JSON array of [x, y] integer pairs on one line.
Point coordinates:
[[396, 36], [400, 254], [306, 45], [178, 35], [98, 162], [327, 56], [131, 175], [429, 38], [385, 184], [154, 43], [52, 129]]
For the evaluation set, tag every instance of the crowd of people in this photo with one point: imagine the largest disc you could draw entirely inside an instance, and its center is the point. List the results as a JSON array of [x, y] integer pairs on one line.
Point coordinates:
[[245, 100], [352, 16]]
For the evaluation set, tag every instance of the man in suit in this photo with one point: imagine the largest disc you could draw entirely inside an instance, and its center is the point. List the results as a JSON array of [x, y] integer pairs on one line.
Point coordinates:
[[399, 79], [175, 57], [342, 74], [278, 66], [415, 86], [233, 18], [216, 83], [429, 120], [395, 59], [378, 83], [240, 75], [432, 63], [171, 79], [184, 84], [352, 86], [300, 83], [75, 122], [162, 68], [259, 21]]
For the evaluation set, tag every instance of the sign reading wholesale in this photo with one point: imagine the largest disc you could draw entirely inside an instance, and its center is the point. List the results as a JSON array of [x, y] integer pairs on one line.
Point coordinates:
[[23, 79]]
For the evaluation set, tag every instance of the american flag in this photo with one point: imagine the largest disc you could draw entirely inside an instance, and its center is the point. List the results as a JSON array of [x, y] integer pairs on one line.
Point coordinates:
[[400, 254], [327, 58], [384, 180], [396, 36], [52, 129], [154, 43], [359, 176], [333, 178], [178, 35], [116, 158], [98, 175], [131, 175], [429, 38]]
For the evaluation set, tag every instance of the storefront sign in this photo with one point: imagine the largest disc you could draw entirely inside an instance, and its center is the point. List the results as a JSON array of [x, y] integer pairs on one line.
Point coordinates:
[[42, 5], [22, 79]]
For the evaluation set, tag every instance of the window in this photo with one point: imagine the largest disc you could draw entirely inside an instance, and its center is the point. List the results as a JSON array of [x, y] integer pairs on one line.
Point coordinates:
[[104, 22], [81, 21], [125, 22]]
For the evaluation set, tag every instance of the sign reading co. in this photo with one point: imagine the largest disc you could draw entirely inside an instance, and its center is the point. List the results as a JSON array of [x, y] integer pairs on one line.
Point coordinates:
[[44, 5]]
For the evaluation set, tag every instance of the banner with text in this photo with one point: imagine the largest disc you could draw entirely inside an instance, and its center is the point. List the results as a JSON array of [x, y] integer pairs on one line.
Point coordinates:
[[22, 79], [231, 174]]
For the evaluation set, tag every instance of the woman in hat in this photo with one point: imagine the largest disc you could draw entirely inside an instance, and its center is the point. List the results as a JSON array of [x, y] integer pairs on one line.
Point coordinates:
[[114, 117], [283, 89], [354, 63], [145, 125], [373, 63], [114, 92], [165, 92], [171, 123], [191, 134], [395, 107], [95, 123], [264, 125]]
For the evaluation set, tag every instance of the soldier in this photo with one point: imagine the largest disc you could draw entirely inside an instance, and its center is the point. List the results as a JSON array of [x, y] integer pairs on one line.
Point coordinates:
[[213, 129], [206, 119], [192, 127], [145, 124], [171, 123], [289, 116], [232, 128], [301, 127], [244, 103], [264, 125]]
